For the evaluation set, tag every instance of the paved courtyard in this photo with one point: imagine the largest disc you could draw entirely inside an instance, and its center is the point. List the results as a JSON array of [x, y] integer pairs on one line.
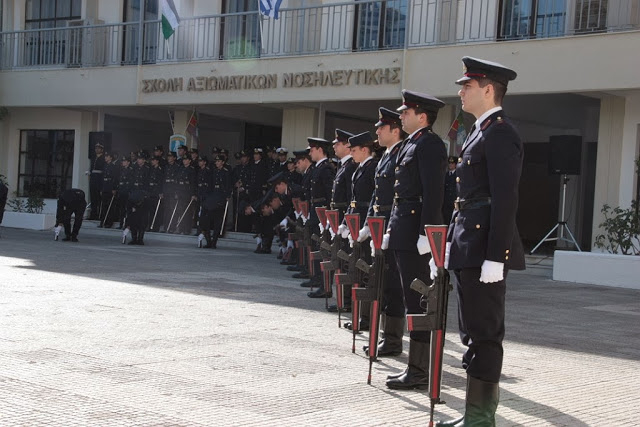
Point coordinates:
[[99, 333]]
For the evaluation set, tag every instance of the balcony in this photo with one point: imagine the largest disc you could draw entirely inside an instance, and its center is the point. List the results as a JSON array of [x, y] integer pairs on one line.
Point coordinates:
[[369, 25]]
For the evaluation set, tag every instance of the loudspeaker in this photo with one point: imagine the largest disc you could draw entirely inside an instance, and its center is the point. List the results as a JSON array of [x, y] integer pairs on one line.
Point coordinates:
[[565, 154], [103, 138]]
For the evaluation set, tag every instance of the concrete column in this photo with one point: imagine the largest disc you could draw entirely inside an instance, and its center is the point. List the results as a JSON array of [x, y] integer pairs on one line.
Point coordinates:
[[81, 163], [297, 125], [630, 148], [180, 122], [608, 164]]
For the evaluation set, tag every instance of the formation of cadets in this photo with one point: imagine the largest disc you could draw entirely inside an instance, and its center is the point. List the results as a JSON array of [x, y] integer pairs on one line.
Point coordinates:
[[318, 204]]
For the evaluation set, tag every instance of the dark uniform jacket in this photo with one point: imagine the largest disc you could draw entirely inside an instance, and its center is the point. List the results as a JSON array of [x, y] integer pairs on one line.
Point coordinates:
[[450, 194], [292, 177], [258, 176], [204, 181], [125, 182], [186, 180], [110, 177], [3, 199], [141, 177], [489, 166], [341, 191], [156, 180], [321, 185], [419, 188], [219, 190], [382, 198], [362, 189], [170, 184]]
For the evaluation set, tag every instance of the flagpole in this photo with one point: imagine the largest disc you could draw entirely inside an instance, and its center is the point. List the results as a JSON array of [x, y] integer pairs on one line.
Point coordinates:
[[261, 34]]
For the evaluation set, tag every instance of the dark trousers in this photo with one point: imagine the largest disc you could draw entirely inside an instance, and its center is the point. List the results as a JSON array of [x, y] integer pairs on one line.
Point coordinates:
[[95, 184], [411, 265], [393, 296], [64, 214], [170, 214], [481, 323], [211, 222], [184, 213]]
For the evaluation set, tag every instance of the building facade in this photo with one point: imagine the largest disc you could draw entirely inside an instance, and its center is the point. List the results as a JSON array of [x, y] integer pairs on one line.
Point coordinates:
[[71, 68]]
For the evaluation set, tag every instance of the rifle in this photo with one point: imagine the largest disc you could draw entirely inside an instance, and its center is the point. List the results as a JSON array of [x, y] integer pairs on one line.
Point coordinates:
[[353, 276], [436, 297], [154, 215], [323, 238], [108, 210], [333, 262], [224, 218], [183, 214], [171, 219], [373, 292], [306, 234]]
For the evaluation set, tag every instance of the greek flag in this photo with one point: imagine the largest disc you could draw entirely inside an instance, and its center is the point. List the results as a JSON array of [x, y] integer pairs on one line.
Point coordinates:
[[270, 8]]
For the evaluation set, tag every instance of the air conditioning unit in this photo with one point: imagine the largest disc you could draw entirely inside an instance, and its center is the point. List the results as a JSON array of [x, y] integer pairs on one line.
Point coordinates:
[[86, 44]]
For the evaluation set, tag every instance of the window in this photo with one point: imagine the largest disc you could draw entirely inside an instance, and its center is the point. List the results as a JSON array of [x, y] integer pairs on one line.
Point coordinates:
[[149, 36], [380, 25], [47, 47], [46, 162], [591, 16], [523, 19], [241, 31]]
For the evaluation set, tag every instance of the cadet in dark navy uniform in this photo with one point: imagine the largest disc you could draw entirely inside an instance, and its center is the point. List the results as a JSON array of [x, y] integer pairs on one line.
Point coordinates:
[[241, 176], [390, 137], [419, 190], [341, 190], [450, 190], [322, 176], [156, 182], [95, 180], [187, 196], [203, 180], [484, 239], [138, 201], [125, 184], [169, 193], [71, 202], [214, 202], [109, 186], [258, 176]]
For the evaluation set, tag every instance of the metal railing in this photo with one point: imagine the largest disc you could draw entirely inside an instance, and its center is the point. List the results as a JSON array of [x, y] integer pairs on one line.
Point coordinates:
[[332, 28]]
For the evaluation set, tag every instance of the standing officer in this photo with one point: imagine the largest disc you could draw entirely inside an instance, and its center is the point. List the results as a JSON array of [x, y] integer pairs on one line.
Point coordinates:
[[450, 191], [214, 202], [484, 239], [125, 184], [169, 193], [341, 191], [71, 202], [109, 186], [241, 178], [390, 136], [138, 201], [419, 190], [156, 181], [95, 180], [321, 178], [186, 190], [203, 180]]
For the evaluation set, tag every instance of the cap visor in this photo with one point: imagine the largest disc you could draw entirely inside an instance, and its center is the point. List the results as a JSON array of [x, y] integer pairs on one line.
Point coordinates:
[[380, 123], [461, 81], [402, 108]]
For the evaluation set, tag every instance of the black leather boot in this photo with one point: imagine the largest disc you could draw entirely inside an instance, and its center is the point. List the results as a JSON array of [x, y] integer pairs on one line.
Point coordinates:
[[417, 373], [141, 238], [391, 344], [207, 237], [480, 407]]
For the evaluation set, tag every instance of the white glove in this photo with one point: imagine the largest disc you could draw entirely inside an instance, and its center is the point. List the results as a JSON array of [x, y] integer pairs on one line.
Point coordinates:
[[283, 223], [364, 234], [304, 219], [433, 268], [343, 230], [200, 237], [297, 215], [491, 271], [423, 245], [385, 242], [327, 226], [290, 244], [447, 249], [333, 235], [321, 227], [350, 240], [259, 240], [57, 230], [126, 232]]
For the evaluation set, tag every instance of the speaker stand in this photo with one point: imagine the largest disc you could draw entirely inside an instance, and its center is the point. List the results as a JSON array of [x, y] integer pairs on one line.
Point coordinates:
[[560, 225]]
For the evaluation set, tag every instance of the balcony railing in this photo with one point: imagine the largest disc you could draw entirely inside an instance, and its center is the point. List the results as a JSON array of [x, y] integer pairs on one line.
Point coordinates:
[[333, 28]]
